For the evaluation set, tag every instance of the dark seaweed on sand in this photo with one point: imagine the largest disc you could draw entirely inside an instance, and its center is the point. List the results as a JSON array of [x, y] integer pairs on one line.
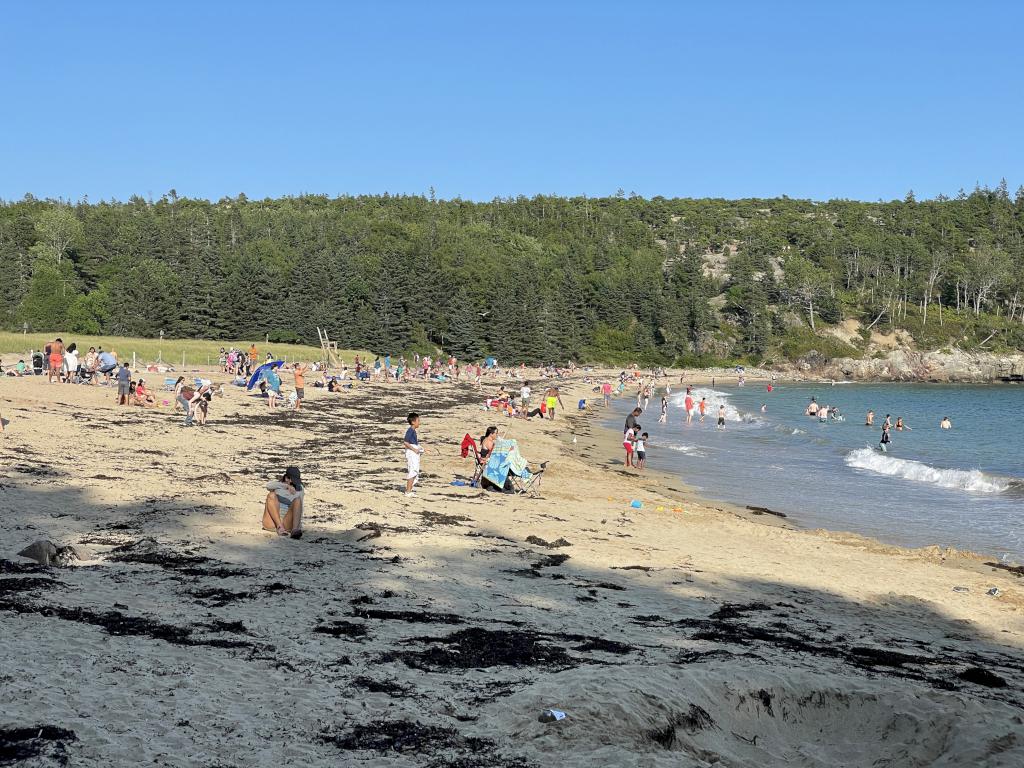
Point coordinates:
[[539, 542], [477, 648], [145, 553], [695, 719], [411, 617], [424, 741], [341, 629], [21, 744], [390, 687], [118, 623]]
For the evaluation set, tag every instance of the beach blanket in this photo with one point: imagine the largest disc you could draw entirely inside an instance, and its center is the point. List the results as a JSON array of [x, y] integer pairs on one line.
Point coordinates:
[[505, 458]]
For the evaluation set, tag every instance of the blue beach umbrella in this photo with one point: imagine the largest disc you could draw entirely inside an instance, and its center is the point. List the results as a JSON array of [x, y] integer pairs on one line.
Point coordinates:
[[261, 372]]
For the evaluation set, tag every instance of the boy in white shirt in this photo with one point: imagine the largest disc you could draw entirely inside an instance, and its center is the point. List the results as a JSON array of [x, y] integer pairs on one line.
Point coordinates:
[[641, 451]]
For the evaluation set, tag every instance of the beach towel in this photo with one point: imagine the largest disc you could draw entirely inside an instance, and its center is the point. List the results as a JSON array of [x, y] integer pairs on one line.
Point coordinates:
[[505, 458]]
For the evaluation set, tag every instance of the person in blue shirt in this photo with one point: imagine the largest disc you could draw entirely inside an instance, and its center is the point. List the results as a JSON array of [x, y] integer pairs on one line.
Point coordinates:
[[273, 387], [124, 383], [107, 365], [413, 451]]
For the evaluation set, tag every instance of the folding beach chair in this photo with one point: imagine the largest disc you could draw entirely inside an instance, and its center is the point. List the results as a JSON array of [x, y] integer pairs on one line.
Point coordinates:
[[468, 443], [528, 486]]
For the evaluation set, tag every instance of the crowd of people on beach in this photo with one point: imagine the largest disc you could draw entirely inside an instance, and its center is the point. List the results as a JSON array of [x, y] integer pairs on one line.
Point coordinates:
[[527, 399]]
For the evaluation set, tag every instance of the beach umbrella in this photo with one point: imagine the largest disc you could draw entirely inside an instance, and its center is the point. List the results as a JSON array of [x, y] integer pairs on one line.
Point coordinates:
[[260, 372]]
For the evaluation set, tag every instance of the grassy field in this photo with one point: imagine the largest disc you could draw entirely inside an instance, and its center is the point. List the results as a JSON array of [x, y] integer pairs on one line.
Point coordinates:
[[196, 352]]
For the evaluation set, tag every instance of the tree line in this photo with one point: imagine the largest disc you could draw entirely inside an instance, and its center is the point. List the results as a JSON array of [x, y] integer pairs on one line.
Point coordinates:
[[537, 279]]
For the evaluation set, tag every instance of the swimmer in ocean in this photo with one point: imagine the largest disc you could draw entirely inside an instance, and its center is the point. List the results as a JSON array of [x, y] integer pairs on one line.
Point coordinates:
[[883, 444], [945, 423], [870, 420], [900, 426]]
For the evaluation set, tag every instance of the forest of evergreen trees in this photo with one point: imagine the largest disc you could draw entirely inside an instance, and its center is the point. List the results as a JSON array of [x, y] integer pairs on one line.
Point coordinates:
[[536, 279]]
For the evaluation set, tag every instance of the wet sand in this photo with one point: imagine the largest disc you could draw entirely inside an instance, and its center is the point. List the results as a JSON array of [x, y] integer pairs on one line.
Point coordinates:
[[434, 630]]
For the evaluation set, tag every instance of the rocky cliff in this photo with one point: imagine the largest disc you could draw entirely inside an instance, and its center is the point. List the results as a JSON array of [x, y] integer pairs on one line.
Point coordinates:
[[910, 365]]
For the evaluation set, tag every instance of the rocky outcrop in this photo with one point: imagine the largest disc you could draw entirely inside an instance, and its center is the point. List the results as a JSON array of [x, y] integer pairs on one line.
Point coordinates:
[[911, 365]]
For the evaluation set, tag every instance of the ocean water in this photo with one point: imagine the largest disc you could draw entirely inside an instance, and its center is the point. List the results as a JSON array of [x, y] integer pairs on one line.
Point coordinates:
[[962, 487]]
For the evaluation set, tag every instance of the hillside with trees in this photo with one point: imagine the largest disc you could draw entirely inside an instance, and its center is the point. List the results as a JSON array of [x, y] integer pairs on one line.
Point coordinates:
[[537, 279]]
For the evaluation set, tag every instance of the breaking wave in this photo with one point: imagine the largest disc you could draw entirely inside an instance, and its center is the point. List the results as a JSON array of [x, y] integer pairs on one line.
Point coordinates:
[[689, 450], [959, 479], [714, 399]]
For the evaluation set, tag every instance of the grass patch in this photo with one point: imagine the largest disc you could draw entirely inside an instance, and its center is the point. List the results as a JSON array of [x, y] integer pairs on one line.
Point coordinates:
[[798, 342], [196, 352]]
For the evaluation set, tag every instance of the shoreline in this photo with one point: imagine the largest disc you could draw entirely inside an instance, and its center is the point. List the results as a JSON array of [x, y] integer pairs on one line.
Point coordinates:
[[659, 481], [451, 620]]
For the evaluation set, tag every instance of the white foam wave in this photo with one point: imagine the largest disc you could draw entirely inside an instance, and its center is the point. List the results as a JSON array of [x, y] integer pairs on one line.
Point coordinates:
[[689, 450], [714, 399], [961, 479]]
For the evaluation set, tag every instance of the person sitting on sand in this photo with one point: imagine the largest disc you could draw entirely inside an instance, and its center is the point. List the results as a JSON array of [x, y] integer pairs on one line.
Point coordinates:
[[945, 423], [91, 363], [143, 396], [285, 495], [488, 441]]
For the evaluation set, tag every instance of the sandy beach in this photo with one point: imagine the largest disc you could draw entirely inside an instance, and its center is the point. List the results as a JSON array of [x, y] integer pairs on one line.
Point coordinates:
[[435, 630]]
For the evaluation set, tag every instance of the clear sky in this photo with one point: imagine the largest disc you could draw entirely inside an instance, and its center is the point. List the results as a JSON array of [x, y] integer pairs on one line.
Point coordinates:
[[479, 99]]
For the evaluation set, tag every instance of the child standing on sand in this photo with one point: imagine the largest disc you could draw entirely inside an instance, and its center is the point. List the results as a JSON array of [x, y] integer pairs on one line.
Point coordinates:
[[641, 451], [627, 442], [413, 451]]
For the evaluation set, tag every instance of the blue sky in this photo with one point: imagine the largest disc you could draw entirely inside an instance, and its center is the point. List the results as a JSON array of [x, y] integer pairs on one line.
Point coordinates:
[[482, 99]]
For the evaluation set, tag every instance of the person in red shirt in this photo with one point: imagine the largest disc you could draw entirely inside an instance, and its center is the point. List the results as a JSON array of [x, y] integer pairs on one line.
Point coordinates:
[[688, 405]]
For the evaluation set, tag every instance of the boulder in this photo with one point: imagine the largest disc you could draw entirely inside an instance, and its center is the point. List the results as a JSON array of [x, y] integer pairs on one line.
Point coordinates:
[[47, 553]]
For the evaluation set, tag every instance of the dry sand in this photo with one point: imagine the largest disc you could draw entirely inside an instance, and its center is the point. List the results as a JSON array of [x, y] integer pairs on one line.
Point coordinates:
[[433, 631]]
